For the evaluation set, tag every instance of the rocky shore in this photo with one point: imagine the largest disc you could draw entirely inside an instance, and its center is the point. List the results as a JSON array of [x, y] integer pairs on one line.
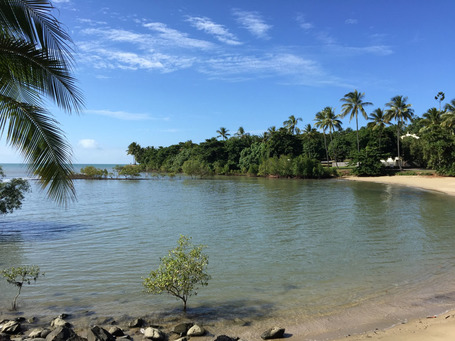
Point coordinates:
[[62, 328]]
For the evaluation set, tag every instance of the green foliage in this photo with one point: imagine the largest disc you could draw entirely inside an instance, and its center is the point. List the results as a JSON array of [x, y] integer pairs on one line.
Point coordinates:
[[128, 171], [12, 193], [181, 272], [368, 162], [18, 276], [195, 167], [93, 172]]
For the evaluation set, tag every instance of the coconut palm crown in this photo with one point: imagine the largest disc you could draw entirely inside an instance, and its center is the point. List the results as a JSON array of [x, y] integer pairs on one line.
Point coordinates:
[[353, 104], [35, 65]]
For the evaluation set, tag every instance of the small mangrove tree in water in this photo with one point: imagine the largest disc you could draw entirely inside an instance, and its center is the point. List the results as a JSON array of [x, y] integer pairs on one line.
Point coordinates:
[[18, 276], [181, 272]]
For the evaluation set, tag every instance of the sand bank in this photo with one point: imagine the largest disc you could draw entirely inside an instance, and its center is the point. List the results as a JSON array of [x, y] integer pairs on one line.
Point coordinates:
[[433, 183]]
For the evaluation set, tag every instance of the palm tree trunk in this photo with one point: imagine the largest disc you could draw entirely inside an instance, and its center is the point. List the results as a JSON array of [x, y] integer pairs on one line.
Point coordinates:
[[357, 130], [398, 146], [326, 149]]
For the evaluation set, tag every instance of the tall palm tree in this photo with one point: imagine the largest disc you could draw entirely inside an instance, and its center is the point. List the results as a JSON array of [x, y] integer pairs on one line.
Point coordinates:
[[326, 119], [378, 122], [320, 123], [353, 103], [223, 133], [400, 111], [35, 64], [291, 123]]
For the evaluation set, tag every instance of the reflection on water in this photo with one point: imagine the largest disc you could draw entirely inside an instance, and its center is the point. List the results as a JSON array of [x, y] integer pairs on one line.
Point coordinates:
[[300, 249]]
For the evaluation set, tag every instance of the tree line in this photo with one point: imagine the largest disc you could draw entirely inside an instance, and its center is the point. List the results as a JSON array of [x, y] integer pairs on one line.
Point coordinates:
[[394, 131]]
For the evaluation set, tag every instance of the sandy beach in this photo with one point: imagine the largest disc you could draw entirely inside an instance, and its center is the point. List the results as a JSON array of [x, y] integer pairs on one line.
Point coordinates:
[[435, 328], [432, 183]]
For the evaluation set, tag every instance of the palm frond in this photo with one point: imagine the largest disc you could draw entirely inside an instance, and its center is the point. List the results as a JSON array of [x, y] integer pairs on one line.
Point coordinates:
[[36, 134]]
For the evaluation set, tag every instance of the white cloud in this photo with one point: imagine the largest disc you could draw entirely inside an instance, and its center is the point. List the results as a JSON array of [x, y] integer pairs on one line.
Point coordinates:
[[351, 21], [208, 26], [176, 38], [267, 65], [253, 22], [110, 58], [60, 1], [121, 115], [88, 144], [303, 23]]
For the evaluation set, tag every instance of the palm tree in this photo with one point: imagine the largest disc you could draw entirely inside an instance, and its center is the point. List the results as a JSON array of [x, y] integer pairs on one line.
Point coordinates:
[[378, 122], [449, 115], [399, 111], [134, 149], [309, 131], [36, 63], [291, 123], [223, 133], [353, 103], [326, 119], [431, 120], [240, 132]]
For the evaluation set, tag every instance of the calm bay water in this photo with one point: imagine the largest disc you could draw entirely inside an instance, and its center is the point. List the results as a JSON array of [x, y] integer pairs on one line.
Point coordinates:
[[289, 250]]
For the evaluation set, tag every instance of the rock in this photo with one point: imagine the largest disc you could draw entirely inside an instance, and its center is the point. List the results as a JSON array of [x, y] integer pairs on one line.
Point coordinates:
[[11, 327], [39, 333], [154, 334], [59, 322], [226, 338], [64, 334], [182, 328], [116, 331], [273, 333], [182, 339], [137, 323], [4, 337], [97, 333], [63, 316], [196, 331]]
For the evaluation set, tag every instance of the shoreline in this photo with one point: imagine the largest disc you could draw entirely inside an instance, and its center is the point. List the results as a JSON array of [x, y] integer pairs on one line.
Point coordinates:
[[440, 184]]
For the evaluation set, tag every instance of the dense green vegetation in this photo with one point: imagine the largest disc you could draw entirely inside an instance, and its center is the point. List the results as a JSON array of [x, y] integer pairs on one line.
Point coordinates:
[[288, 151]]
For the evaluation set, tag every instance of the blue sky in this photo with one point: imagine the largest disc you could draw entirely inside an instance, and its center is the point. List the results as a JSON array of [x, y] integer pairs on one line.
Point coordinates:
[[161, 72]]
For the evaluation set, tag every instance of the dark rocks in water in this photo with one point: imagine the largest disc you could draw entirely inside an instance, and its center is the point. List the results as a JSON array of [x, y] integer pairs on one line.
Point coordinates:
[[182, 328], [137, 323], [116, 331], [64, 334], [11, 328], [226, 338], [196, 330], [97, 333], [273, 333]]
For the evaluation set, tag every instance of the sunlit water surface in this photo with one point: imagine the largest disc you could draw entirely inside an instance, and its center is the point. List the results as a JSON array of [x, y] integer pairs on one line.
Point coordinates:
[[315, 255]]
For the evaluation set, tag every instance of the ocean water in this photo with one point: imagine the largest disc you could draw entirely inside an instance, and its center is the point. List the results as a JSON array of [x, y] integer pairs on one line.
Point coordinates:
[[321, 257]]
